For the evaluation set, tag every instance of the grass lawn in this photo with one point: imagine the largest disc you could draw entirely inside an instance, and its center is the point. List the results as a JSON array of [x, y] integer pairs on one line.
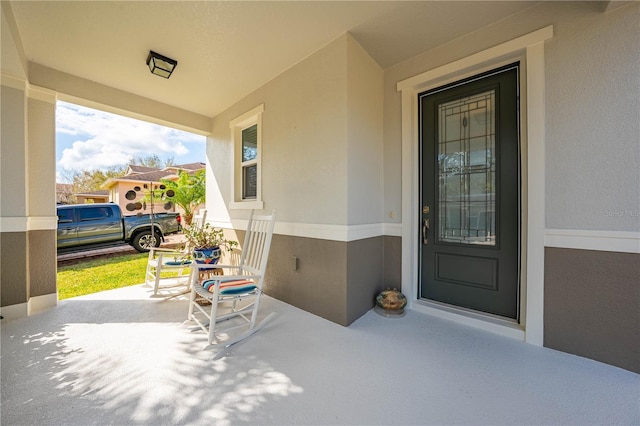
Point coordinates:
[[101, 274]]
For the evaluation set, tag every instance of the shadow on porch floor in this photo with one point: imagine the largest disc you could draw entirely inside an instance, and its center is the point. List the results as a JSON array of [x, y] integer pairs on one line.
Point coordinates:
[[120, 357]]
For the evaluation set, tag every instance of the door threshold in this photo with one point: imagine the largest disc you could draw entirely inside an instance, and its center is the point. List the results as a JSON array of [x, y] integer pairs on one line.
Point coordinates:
[[495, 324]]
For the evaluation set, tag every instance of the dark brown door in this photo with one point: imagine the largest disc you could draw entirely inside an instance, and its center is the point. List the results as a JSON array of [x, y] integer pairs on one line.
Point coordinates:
[[471, 193]]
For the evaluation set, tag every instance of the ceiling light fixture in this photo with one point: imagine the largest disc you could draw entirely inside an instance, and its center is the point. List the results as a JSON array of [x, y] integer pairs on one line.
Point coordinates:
[[160, 65]]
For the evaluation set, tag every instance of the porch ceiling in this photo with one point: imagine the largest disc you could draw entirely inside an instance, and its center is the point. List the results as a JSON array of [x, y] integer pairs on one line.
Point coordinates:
[[227, 49]]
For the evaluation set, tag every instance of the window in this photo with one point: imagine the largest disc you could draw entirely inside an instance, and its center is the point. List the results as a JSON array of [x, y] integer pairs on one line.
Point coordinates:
[[246, 132], [65, 215], [249, 162], [95, 213]]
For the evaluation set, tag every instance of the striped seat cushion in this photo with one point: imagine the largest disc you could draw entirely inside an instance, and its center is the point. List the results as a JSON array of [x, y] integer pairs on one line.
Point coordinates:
[[230, 286]]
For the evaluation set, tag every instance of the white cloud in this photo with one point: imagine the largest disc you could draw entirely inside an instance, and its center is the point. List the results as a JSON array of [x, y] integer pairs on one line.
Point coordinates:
[[105, 140]]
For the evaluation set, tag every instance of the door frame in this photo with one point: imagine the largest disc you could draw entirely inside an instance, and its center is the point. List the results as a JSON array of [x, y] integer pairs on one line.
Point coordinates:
[[499, 295], [529, 50]]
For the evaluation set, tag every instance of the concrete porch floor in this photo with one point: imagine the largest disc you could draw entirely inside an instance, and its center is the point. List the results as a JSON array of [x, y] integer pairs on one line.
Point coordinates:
[[120, 357]]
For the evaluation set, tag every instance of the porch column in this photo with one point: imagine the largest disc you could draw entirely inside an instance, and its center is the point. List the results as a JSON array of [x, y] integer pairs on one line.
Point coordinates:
[[27, 199]]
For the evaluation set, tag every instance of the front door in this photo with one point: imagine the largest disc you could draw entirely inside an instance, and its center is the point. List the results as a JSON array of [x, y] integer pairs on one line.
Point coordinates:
[[470, 177]]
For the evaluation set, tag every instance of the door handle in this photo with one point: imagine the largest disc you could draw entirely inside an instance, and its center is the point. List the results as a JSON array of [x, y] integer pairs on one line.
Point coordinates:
[[425, 231]]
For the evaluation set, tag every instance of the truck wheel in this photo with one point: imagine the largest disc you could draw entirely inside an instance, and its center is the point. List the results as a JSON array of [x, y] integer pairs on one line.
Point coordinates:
[[143, 241]]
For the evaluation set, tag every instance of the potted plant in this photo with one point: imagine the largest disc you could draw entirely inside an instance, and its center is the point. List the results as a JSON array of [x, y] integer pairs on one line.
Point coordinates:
[[207, 243]]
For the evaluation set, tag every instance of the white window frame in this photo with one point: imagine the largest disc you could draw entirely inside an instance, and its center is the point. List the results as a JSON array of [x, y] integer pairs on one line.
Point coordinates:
[[237, 125]]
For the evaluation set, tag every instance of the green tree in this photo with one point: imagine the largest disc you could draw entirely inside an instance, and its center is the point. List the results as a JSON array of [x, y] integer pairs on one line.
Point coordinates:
[[92, 180], [153, 161], [189, 191]]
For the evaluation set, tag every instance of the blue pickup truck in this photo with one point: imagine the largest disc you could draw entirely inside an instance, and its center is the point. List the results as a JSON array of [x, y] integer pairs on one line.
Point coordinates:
[[91, 225]]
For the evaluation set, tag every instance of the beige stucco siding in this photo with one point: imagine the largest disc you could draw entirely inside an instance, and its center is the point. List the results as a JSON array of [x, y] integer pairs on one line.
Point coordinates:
[[592, 126], [592, 130], [41, 170], [13, 151], [321, 167], [27, 203], [304, 142], [321, 140], [364, 137]]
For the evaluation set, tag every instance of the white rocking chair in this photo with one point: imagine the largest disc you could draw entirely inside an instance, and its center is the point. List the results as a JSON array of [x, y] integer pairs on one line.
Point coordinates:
[[171, 260], [240, 282]]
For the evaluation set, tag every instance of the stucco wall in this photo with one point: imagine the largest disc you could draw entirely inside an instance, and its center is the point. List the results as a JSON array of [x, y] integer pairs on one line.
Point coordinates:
[[121, 188], [321, 166], [304, 146], [321, 140], [592, 152], [13, 187], [43, 267], [14, 272], [592, 125], [27, 184], [364, 275], [318, 283], [27, 206], [591, 308], [592, 128], [41, 172], [364, 136]]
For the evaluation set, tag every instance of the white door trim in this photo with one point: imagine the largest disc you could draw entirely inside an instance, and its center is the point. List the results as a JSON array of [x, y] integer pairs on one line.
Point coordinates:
[[530, 50]]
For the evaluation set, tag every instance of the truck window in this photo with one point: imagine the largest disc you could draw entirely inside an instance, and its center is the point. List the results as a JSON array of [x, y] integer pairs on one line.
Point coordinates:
[[65, 216], [95, 213]]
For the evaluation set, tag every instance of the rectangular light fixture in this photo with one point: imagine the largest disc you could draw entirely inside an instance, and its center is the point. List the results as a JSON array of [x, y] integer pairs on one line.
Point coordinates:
[[160, 65]]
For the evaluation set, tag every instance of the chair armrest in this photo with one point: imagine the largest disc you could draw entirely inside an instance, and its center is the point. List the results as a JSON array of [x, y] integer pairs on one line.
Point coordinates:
[[233, 277], [167, 250], [243, 271], [201, 266], [240, 273]]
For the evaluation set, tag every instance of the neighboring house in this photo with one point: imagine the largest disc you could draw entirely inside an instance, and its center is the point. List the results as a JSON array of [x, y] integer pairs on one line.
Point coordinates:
[[339, 138], [98, 196], [140, 179], [135, 169], [65, 195]]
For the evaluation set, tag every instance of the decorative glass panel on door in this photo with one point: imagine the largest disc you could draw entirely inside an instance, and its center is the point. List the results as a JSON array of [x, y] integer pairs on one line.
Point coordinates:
[[467, 170]]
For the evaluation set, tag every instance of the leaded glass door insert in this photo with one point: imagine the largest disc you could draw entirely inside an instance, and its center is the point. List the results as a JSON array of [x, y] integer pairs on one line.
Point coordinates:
[[470, 192], [466, 170]]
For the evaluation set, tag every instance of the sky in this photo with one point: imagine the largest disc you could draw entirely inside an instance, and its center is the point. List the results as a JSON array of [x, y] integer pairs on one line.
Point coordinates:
[[88, 139]]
